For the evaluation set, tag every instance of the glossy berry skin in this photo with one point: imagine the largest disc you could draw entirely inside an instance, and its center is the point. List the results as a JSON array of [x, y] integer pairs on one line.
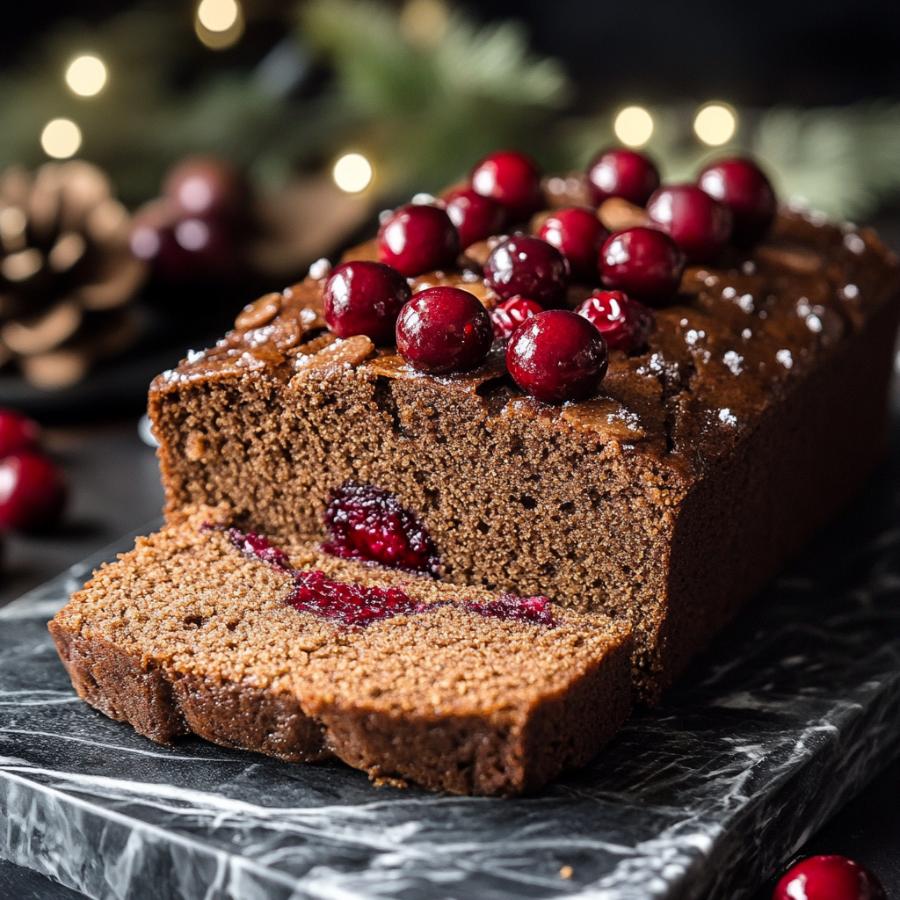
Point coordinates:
[[17, 432], [828, 878], [32, 491], [557, 356], [512, 179], [624, 323], [699, 225], [510, 314], [643, 262], [363, 297], [418, 238], [528, 267], [577, 233], [444, 329], [743, 187], [207, 187], [622, 173], [476, 217]]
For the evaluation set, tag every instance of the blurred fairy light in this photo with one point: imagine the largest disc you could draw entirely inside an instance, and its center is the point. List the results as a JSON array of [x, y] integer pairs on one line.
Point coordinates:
[[352, 173], [219, 23], [715, 123], [424, 22], [61, 138], [633, 126], [86, 75]]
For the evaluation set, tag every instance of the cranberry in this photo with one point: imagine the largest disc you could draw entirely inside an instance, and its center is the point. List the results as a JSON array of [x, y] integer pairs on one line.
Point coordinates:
[[511, 179], [577, 233], [828, 878], [207, 187], [623, 322], [699, 225], [743, 187], [444, 329], [529, 267], [368, 523], [257, 546], [557, 356], [32, 491], [643, 262], [417, 238], [476, 217], [17, 432], [509, 607], [622, 173], [364, 297], [510, 314]]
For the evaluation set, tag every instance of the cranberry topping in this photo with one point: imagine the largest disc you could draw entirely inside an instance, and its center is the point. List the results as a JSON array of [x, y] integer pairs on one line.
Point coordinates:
[[529, 267], [364, 297], [510, 314], [744, 188], [557, 356], [642, 262], [509, 607], [475, 216], [444, 329], [417, 238], [32, 491], [622, 173], [828, 878], [510, 178], [17, 432], [366, 522], [624, 323], [700, 225], [577, 233]]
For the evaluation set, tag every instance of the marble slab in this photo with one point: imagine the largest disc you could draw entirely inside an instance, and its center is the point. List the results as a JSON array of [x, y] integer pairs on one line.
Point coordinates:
[[789, 715]]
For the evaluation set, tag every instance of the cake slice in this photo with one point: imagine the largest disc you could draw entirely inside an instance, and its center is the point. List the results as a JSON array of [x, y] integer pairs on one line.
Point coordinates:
[[303, 655]]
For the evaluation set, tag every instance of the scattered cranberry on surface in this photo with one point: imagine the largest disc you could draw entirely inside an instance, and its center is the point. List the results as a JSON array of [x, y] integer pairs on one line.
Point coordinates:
[[363, 297], [577, 233], [623, 322], [444, 329], [32, 491], [643, 262], [828, 878], [417, 238], [557, 356], [528, 267], [510, 314], [700, 225], [206, 186], [744, 188], [622, 173], [475, 216], [512, 179], [17, 432]]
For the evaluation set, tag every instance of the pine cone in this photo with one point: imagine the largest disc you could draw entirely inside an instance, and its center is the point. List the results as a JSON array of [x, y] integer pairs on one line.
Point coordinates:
[[67, 276]]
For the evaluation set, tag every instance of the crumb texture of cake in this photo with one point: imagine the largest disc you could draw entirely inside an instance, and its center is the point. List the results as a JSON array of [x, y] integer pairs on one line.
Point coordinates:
[[200, 629]]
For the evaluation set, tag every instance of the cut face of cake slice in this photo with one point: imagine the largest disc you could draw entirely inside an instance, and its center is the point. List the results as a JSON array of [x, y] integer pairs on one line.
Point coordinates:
[[303, 655]]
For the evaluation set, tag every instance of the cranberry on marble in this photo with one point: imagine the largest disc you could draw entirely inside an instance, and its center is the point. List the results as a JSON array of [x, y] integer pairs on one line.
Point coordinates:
[[557, 356], [417, 238], [744, 188], [528, 267], [510, 314], [512, 179], [32, 491], [475, 216], [643, 262], [700, 225], [622, 173], [577, 233], [363, 297], [444, 329], [624, 323], [17, 432], [828, 878]]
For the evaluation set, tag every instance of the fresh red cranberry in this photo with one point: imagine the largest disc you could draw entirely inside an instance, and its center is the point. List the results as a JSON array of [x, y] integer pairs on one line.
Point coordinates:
[[622, 173], [417, 238], [366, 522], [528, 267], [444, 329], [624, 323], [207, 187], [364, 297], [557, 356], [32, 491], [510, 178], [828, 878], [577, 233], [643, 262], [744, 188], [699, 225], [17, 432], [509, 607], [510, 314], [475, 216]]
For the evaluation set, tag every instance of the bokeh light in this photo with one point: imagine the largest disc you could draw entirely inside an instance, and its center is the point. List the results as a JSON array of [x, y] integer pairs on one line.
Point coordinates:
[[219, 23], [633, 126], [61, 138], [715, 123], [86, 75], [352, 173]]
